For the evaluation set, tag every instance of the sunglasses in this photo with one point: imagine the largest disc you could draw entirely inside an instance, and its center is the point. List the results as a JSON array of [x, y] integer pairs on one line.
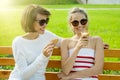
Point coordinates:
[[82, 21], [43, 21]]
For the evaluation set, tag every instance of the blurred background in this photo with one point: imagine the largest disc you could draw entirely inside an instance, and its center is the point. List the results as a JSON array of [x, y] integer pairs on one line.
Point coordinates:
[[104, 18]]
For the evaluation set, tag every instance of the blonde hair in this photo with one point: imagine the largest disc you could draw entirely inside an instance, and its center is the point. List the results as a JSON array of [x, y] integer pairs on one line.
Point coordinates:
[[76, 10], [29, 16]]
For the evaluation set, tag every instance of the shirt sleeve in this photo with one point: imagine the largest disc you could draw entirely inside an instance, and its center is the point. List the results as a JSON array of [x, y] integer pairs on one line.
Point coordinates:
[[25, 70], [54, 36]]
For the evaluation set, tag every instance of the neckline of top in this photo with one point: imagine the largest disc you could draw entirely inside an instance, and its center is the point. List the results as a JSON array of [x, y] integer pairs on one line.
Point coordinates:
[[30, 39], [84, 48]]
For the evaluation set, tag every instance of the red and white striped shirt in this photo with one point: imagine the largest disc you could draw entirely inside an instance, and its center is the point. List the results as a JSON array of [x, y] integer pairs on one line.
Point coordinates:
[[84, 60]]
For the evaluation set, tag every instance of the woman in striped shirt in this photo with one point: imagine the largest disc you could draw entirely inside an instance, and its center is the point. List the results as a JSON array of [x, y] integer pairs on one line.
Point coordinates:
[[82, 55]]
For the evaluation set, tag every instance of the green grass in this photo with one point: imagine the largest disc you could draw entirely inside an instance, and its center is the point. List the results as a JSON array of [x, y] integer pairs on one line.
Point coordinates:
[[104, 23], [82, 5], [67, 6], [9, 26], [50, 2]]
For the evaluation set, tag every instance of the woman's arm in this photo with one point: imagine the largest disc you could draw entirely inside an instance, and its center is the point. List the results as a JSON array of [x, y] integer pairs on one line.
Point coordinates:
[[97, 68], [51, 35], [27, 70], [67, 60]]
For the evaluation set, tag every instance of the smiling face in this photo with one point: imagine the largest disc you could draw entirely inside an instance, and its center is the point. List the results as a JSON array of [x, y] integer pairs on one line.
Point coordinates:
[[78, 22], [34, 19], [40, 23]]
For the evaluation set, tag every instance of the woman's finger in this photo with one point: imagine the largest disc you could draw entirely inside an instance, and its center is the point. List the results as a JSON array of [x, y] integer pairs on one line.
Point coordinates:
[[51, 43]]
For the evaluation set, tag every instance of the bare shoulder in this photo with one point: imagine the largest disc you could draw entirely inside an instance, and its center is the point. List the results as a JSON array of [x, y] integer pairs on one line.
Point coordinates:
[[64, 46], [96, 42], [96, 38], [65, 40]]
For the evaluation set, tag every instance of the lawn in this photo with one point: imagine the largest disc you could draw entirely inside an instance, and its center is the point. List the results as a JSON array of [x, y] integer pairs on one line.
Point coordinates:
[[103, 21]]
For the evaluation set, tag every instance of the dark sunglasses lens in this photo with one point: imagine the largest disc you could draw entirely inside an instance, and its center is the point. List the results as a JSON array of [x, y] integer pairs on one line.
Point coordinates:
[[42, 22], [83, 21], [75, 23]]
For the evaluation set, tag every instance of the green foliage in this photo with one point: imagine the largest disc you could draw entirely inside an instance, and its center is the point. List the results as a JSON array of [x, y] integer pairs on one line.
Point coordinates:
[[116, 72], [6, 68], [50, 2], [89, 6], [53, 70]]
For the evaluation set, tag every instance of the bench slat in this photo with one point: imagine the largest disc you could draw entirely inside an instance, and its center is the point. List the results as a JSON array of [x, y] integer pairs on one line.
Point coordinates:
[[108, 77], [4, 73], [56, 52], [54, 64], [112, 53], [7, 61], [57, 63], [8, 50], [10, 61], [5, 50], [111, 65], [49, 75]]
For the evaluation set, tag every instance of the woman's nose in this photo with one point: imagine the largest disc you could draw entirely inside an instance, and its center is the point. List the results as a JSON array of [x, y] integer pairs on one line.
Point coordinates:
[[44, 25], [79, 25]]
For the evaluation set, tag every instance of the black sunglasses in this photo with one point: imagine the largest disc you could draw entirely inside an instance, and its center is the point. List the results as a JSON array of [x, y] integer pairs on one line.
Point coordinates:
[[82, 21], [43, 21]]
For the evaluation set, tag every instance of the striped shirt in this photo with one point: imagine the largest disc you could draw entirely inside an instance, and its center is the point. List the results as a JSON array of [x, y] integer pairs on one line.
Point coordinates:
[[84, 60]]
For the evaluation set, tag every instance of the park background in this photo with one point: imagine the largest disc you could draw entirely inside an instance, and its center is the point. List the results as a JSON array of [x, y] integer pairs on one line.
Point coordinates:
[[104, 20]]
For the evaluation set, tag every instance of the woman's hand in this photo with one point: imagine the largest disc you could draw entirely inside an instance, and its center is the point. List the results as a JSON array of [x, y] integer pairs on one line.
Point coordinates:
[[106, 46], [47, 51], [62, 76], [83, 41]]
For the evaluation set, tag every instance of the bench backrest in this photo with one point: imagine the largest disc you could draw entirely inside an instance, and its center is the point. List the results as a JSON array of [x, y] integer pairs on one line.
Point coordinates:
[[110, 64], [9, 61], [55, 64]]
